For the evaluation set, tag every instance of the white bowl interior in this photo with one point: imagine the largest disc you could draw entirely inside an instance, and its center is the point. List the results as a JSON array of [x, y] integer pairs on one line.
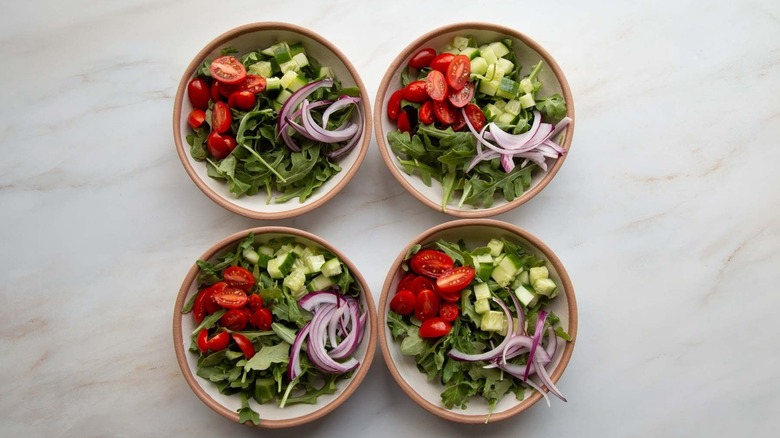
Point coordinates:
[[473, 235], [267, 411], [527, 57], [259, 40]]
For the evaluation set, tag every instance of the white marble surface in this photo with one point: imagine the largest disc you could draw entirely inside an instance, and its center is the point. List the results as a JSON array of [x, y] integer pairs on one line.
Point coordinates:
[[666, 214]]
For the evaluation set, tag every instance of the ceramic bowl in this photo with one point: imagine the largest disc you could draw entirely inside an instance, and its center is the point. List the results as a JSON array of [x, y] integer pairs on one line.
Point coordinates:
[[248, 38], [529, 52], [475, 232], [271, 415]]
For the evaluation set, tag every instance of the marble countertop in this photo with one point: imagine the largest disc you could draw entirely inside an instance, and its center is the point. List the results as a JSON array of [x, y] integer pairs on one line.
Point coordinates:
[[666, 214]]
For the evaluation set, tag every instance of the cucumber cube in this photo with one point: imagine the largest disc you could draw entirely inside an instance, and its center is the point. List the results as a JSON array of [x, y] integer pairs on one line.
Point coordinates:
[[331, 267], [320, 282], [524, 295], [296, 48], [273, 269], [295, 281], [251, 256], [491, 113], [537, 273], [506, 118], [273, 83], [482, 306], [460, 42], [488, 87], [314, 262], [524, 277], [527, 100], [262, 68], [508, 88], [479, 66], [297, 83], [501, 276], [482, 291], [513, 107], [499, 49], [289, 66], [545, 286], [471, 53], [301, 60], [283, 96], [505, 65], [496, 246], [484, 258], [493, 321], [489, 55], [526, 85], [484, 270], [267, 250], [325, 73]]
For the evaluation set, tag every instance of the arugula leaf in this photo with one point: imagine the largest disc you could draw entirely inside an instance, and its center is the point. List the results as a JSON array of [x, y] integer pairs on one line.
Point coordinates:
[[561, 333], [246, 413], [228, 51], [187, 308], [209, 321], [413, 344], [262, 360], [459, 394], [310, 397], [554, 107], [397, 325]]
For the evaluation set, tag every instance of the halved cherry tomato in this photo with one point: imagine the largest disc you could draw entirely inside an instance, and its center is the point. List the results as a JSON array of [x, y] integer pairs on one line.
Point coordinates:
[[455, 279], [426, 113], [405, 282], [458, 72], [430, 262], [475, 116], [450, 298], [216, 343], [254, 84], [208, 299], [444, 112], [403, 122], [460, 121], [461, 98], [234, 319], [422, 58], [239, 277], [221, 117], [403, 303], [198, 91], [394, 104], [434, 328], [449, 312], [196, 118], [262, 318], [420, 284], [243, 100], [198, 309], [436, 85], [231, 298], [442, 62], [415, 92], [426, 305], [228, 70], [216, 93], [244, 344], [254, 302], [220, 145]]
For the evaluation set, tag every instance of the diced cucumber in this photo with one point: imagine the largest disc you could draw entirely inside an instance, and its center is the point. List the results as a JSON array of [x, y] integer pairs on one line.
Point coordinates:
[[489, 55], [284, 249], [504, 328], [273, 269], [526, 85], [278, 48], [262, 68], [295, 281], [320, 282], [501, 104], [297, 83], [513, 107], [267, 250], [545, 286], [449, 49], [314, 262], [499, 49], [505, 65], [301, 60], [511, 264], [484, 270], [299, 249], [479, 66], [273, 83], [527, 100], [501, 277], [460, 42], [537, 273], [497, 260], [481, 291], [524, 277], [470, 52], [491, 113], [300, 265], [492, 321], [496, 246], [524, 295], [508, 88], [325, 73], [286, 262], [289, 66], [251, 255], [488, 87], [265, 390], [498, 74], [295, 49], [283, 96], [287, 78], [482, 306], [307, 251], [506, 118], [331, 267]]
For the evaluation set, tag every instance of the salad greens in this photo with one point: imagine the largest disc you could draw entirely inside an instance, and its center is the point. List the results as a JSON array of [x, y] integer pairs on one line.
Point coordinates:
[[264, 377], [462, 380]]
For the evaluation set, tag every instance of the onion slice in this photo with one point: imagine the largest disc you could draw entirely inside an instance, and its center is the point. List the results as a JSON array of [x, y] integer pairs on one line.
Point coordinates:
[[537, 337], [493, 353]]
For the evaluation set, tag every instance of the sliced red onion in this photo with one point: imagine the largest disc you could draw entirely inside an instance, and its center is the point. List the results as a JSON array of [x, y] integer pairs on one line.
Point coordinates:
[[296, 98], [552, 343], [539, 390], [493, 353], [316, 343], [321, 134], [294, 367], [520, 320], [350, 343], [537, 337], [352, 142], [342, 102], [314, 299], [507, 162], [334, 323], [545, 379]]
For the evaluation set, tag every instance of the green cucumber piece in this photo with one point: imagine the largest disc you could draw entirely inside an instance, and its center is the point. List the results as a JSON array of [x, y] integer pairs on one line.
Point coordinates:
[[482, 291], [482, 306], [320, 282], [508, 88], [491, 113], [524, 295], [527, 100], [499, 49], [496, 246], [526, 85], [546, 287], [537, 273], [314, 262], [479, 66], [262, 68], [297, 83], [273, 83], [331, 267], [492, 321], [283, 96], [265, 390], [471, 53], [505, 65], [488, 87]]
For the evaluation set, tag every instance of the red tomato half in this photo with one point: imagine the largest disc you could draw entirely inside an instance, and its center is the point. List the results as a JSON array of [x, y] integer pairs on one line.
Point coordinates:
[[405, 283], [442, 62], [244, 344], [436, 85], [234, 319], [426, 113], [458, 72], [415, 92], [208, 299], [254, 302], [196, 118], [455, 279], [221, 117], [444, 112], [220, 146], [239, 277], [461, 98], [403, 303], [228, 70], [426, 305], [254, 84], [422, 58], [435, 328], [231, 298], [216, 343], [216, 93], [420, 284], [449, 312], [243, 100], [460, 121], [262, 318], [198, 91], [475, 116], [394, 104], [430, 262], [403, 122]]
